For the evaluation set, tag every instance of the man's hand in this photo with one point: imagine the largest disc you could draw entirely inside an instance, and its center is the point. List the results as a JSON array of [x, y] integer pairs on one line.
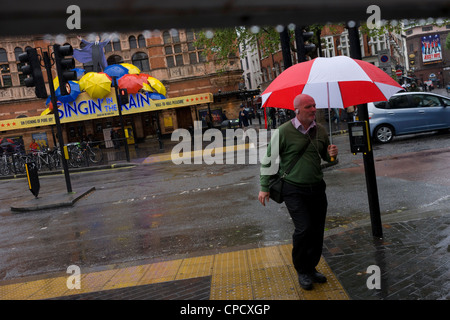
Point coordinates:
[[332, 151], [263, 196]]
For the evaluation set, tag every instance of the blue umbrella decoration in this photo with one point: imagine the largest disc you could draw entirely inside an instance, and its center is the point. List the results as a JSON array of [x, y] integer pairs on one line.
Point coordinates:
[[72, 96], [156, 96], [116, 70], [80, 72]]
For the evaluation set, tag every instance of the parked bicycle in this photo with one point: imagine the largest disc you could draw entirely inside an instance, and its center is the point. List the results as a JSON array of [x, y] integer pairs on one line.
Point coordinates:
[[83, 153], [42, 157]]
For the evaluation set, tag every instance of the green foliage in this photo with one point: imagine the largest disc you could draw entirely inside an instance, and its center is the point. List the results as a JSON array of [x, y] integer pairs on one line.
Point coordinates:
[[225, 42]]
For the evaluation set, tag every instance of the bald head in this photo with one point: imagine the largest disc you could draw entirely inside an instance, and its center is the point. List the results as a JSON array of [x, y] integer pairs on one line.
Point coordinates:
[[305, 108], [302, 100]]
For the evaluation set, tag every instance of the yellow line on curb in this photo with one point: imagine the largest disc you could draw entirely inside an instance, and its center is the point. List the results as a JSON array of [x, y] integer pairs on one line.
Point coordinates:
[[253, 274]]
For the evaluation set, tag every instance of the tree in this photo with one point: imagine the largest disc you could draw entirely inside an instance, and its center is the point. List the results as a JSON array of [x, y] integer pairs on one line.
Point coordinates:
[[223, 44]]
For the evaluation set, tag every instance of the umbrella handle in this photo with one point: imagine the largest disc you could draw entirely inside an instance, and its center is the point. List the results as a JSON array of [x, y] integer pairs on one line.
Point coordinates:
[[332, 159]]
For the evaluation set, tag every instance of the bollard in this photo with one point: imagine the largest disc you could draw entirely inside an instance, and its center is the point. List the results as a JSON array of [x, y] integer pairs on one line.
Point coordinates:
[[33, 178]]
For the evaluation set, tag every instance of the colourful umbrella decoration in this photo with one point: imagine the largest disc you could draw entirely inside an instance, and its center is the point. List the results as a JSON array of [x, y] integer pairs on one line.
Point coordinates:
[[157, 85], [84, 79], [97, 85], [156, 96], [132, 82], [72, 96], [106, 75], [132, 69], [116, 70], [49, 105]]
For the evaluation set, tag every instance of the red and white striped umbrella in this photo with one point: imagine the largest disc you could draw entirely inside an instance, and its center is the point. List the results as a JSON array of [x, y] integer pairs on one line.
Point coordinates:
[[337, 82]]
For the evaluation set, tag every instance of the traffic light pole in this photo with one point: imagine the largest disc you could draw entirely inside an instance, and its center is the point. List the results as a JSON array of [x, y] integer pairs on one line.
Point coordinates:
[[369, 163], [48, 68], [286, 48], [122, 124]]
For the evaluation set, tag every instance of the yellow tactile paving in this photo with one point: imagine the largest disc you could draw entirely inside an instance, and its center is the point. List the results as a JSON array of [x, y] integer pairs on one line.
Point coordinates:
[[231, 277], [254, 274], [196, 267]]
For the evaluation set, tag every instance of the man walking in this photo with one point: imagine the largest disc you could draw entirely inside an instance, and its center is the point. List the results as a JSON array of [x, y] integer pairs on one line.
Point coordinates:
[[304, 188]]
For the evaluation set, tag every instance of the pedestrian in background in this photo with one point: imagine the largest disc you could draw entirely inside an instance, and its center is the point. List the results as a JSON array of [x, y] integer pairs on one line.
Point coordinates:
[[243, 117], [304, 188], [34, 146], [243, 120]]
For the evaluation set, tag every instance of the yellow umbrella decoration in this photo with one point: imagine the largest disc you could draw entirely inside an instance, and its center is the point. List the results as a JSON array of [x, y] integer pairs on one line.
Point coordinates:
[[157, 85], [97, 85], [84, 79], [132, 69]]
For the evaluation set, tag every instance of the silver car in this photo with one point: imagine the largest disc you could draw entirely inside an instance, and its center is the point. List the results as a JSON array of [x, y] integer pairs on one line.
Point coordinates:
[[406, 113]]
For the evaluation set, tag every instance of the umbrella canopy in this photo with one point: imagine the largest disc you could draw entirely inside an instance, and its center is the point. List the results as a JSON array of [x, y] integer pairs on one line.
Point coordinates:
[[116, 70], [97, 85], [72, 96], [337, 82], [157, 85], [84, 79], [132, 69], [132, 82]]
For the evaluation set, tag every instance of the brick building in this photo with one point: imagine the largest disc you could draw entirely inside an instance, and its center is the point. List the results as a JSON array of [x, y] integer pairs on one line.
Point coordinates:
[[168, 55]]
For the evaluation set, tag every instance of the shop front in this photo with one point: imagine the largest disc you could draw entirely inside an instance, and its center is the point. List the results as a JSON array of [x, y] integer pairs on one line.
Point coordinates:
[[94, 118]]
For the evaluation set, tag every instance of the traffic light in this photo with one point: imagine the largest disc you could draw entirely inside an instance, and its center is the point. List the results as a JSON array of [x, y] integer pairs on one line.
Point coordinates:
[[64, 65], [123, 96], [33, 71], [302, 40]]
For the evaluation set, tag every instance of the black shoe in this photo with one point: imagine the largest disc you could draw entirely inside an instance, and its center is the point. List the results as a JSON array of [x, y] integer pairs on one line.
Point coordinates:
[[305, 281], [317, 277]]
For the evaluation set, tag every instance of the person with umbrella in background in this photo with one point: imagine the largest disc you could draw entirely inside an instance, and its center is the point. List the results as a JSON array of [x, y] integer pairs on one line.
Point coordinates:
[[304, 188]]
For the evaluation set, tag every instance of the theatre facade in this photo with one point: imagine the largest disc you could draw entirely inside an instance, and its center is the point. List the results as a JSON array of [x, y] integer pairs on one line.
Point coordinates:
[[191, 80]]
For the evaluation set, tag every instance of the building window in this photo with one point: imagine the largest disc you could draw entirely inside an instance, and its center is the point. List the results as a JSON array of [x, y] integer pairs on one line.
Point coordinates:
[[265, 76], [328, 47], [428, 28], [195, 53], [5, 79], [17, 52], [140, 60], [141, 41], [132, 42], [114, 59], [108, 47], [344, 45], [377, 44], [172, 49], [116, 45]]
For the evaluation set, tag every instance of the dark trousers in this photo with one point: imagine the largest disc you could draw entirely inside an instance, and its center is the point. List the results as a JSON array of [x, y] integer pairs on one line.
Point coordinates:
[[308, 208]]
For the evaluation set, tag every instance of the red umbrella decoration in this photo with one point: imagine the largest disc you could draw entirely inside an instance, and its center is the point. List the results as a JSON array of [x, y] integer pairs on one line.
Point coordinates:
[[131, 82]]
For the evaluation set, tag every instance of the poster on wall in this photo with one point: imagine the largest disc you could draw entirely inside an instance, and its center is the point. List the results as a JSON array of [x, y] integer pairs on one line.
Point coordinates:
[[431, 49], [215, 114], [41, 139]]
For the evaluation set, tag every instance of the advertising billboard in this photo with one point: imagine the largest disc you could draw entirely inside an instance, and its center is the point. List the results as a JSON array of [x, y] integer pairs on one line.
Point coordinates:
[[431, 49]]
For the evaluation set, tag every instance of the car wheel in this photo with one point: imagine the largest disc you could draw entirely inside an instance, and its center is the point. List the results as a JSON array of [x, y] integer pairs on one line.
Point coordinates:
[[384, 133]]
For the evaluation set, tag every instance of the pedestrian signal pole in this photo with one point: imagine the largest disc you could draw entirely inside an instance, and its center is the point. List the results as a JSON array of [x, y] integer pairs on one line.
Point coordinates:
[[369, 163], [122, 98], [48, 68]]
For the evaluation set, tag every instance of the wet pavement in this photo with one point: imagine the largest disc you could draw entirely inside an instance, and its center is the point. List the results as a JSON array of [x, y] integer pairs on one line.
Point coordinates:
[[249, 261]]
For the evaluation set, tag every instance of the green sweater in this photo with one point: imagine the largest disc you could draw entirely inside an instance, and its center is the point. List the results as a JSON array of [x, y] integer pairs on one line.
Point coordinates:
[[308, 169]]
